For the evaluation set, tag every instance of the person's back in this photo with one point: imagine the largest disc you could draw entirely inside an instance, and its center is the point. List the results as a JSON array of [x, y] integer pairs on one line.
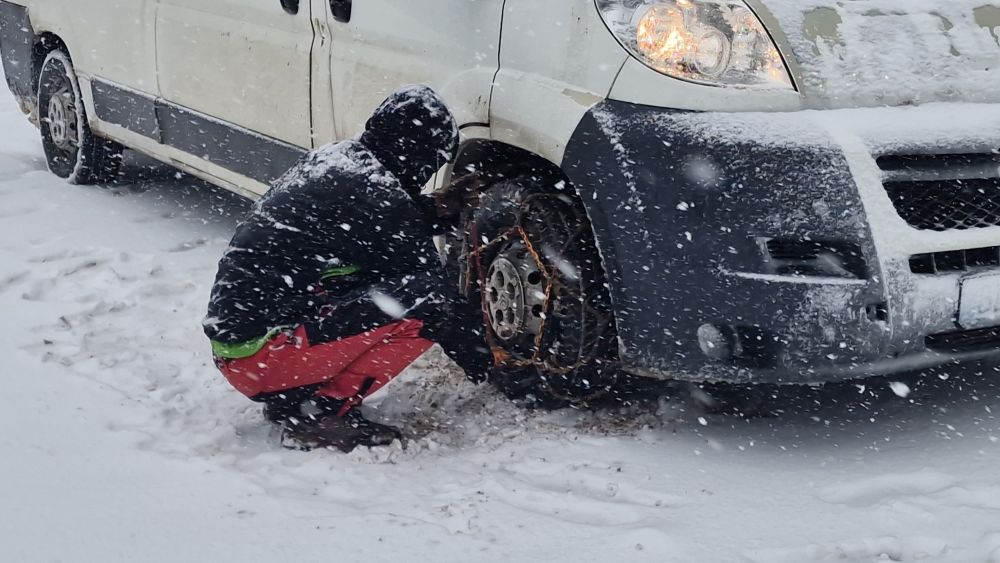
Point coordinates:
[[340, 216], [332, 285]]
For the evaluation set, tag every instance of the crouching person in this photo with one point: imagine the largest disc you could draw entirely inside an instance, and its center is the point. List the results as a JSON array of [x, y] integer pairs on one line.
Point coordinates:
[[333, 286]]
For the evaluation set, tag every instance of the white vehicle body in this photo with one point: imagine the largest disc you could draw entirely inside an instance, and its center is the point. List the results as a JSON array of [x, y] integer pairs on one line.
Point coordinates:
[[233, 91]]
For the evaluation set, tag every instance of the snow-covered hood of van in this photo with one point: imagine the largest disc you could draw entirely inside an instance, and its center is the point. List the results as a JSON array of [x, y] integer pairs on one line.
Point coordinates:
[[892, 52]]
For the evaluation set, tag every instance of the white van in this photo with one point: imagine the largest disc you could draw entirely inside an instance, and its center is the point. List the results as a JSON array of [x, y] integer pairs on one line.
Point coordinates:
[[738, 190]]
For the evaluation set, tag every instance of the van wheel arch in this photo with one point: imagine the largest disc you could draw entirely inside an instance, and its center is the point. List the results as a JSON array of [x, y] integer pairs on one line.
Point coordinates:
[[497, 160], [45, 43], [482, 164]]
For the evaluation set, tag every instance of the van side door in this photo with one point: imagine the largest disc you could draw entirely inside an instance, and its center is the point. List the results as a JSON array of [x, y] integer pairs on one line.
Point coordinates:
[[235, 72], [450, 45]]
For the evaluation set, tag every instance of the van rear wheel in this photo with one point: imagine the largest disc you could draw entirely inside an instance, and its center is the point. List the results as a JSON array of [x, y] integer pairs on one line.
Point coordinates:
[[71, 149], [531, 261]]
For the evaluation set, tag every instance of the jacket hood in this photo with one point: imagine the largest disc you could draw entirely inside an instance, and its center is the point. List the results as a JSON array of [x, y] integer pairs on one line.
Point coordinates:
[[413, 134]]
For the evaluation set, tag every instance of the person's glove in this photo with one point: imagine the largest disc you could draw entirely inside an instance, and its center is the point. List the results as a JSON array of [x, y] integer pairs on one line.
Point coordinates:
[[452, 201], [476, 361], [479, 368], [502, 362]]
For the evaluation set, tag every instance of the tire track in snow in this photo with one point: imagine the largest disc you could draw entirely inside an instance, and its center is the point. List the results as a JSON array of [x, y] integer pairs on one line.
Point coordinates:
[[59, 255], [19, 211], [11, 280], [867, 492], [15, 166], [189, 245], [887, 548]]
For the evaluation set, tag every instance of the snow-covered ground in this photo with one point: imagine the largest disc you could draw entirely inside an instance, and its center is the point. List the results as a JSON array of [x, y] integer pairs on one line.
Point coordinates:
[[120, 442]]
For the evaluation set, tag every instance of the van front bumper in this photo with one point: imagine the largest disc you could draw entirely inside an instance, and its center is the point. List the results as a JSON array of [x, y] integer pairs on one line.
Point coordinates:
[[766, 247]]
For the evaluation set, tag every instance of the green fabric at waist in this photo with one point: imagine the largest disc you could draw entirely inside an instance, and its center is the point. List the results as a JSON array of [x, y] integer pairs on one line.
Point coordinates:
[[242, 350], [250, 348], [340, 272]]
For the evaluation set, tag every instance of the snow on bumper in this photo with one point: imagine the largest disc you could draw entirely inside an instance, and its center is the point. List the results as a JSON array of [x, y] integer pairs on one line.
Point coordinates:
[[787, 247]]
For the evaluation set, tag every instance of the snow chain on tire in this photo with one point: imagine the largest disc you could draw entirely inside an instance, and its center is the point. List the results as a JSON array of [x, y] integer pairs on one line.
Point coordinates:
[[554, 209]]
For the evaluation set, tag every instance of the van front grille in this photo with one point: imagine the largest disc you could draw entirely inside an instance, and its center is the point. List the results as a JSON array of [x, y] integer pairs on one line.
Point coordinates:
[[944, 192], [955, 260], [944, 205], [939, 166]]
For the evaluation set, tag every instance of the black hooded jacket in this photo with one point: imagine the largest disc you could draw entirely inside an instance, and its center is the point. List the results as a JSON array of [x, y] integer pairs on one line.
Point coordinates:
[[346, 221]]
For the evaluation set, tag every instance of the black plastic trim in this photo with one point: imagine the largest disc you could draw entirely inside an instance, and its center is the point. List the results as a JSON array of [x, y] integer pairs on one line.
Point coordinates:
[[235, 148], [465, 126], [132, 110], [965, 341], [247, 153], [955, 260], [17, 42], [828, 258], [681, 247]]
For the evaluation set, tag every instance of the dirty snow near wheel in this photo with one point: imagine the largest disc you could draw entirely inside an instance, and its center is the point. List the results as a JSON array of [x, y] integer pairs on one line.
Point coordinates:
[[120, 442]]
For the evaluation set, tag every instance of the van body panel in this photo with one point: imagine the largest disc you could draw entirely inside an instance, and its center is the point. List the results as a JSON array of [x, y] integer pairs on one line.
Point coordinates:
[[246, 62], [452, 46], [727, 220], [557, 61]]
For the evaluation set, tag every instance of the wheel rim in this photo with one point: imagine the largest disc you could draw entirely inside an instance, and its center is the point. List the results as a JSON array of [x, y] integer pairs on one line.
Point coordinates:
[[515, 295], [63, 119], [537, 302]]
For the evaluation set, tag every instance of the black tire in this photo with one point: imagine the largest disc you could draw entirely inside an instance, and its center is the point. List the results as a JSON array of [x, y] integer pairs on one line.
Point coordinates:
[[72, 151], [565, 346]]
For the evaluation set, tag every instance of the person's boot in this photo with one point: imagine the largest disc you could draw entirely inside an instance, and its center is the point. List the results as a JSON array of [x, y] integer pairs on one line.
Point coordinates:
[[280, 412], [328, 429], [281, 406]]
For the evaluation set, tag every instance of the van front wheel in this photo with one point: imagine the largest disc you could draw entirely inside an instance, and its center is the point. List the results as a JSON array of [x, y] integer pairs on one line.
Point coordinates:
[[71, 149], [531, 262]]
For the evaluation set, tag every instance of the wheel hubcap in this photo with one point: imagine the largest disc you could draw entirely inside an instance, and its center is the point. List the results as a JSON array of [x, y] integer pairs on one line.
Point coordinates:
[[62, 120], [515, 293]]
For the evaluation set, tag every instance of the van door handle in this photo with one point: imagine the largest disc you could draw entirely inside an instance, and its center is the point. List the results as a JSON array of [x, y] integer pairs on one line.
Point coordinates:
[[320, 26], [341, 10], [290, 6]]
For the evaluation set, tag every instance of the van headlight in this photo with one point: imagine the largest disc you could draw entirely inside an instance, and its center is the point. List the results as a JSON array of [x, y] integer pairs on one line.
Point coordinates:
[[716, 42]]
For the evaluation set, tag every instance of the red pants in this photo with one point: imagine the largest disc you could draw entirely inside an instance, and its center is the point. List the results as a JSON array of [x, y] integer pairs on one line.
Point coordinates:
[[342, 368]]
